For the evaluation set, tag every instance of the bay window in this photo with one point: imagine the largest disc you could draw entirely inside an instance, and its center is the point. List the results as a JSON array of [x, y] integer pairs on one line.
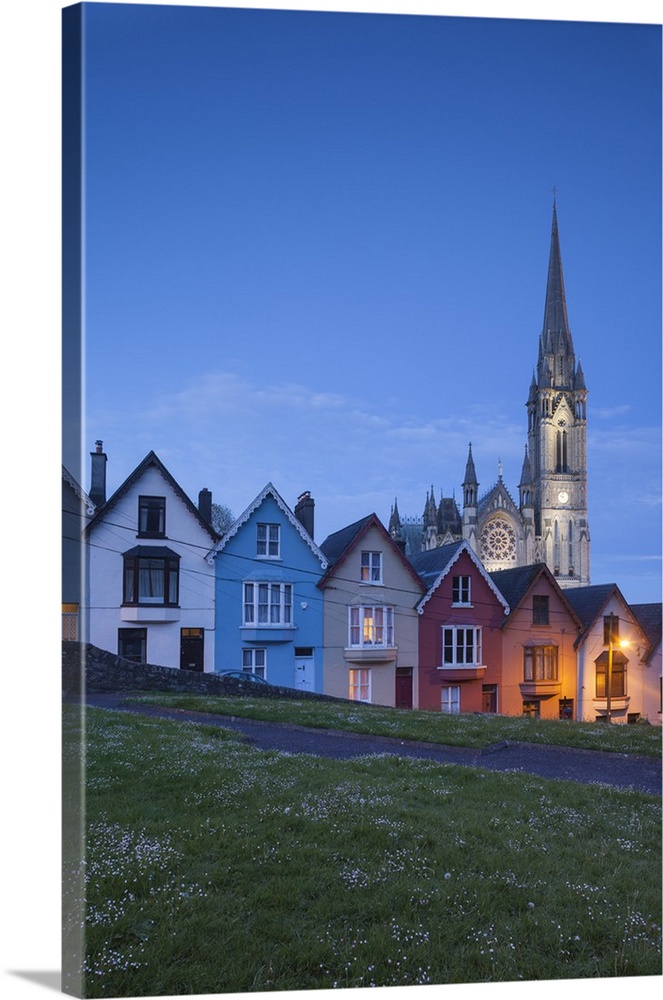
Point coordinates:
[[540, 663], [371, 626], [461, 646], [151, 576], [267, 604]]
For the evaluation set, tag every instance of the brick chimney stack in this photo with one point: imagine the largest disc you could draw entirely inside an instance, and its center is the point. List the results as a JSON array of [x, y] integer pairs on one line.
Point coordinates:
[[304, 511], [98, 475], [205, 505]]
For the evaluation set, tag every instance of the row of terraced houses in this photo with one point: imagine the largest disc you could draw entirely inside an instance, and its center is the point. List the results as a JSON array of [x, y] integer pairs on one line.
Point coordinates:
[[352, 616]]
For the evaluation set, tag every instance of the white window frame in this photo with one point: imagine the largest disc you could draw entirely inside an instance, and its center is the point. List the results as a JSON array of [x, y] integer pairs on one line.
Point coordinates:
[[254, 661], [268, 541], [267, 604], [461, 590], [370, 626], [450, 699], [359, 683], [371, 567], [461, 646]]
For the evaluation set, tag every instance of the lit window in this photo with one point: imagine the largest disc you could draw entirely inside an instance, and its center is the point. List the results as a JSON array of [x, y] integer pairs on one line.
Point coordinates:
[[450, 704], [269, 541], [70, 622], [461, 590], [371, 626], [152, 517], [617, 679], [359, 688], [461, 647], [254, 661], [371, 567], [267, 604], [541, 663]]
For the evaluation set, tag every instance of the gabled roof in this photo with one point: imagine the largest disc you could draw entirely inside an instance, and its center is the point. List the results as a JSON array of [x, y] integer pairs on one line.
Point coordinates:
[[268, 491], [151, 461], [433, 566], [338, 546], [78, 490], [589, 602], [515, 583]]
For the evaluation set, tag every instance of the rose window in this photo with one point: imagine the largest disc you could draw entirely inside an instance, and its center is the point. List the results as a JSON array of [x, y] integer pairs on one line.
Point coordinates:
[[498, 541]]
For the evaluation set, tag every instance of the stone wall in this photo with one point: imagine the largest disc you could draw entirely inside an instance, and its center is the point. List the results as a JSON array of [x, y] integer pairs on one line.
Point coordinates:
[[108, 673]]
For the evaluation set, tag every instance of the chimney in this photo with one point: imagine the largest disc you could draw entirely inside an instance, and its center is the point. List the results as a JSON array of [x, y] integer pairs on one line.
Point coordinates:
[[98, 475], [205, 505], [304, 511]]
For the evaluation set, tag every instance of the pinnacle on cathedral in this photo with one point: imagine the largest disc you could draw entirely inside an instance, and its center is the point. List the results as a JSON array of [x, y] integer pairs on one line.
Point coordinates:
[[549, 524]]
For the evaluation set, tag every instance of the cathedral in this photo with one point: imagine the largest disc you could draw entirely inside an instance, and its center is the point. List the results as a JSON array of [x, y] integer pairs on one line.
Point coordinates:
[[548, 522]]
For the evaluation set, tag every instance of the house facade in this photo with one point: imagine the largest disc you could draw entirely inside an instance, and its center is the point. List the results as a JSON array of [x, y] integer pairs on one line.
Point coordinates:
[[648, 617], [460, 632], [539, 672], [269, 609], [371, 628], [150, 590], [617, 663]]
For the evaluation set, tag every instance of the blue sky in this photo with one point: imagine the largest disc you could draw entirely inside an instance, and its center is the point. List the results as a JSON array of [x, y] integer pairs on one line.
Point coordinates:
[[317, 247]]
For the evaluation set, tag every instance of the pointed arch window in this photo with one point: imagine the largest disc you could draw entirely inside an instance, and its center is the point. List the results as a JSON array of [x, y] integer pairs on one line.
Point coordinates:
[[561, 452]]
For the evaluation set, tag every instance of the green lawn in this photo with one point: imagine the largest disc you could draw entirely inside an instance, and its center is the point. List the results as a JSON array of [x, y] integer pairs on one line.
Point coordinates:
[[472, 730], [212, 867]]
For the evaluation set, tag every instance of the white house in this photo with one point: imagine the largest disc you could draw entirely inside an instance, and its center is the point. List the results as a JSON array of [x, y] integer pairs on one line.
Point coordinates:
[[150, 590], [612, 657]]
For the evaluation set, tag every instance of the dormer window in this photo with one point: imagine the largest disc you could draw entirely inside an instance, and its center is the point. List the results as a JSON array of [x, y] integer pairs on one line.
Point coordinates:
[[371, 567], [268, 545], [151, 517]]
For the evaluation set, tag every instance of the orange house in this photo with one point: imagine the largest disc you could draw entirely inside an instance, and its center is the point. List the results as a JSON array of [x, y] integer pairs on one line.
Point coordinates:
[[539, 664]]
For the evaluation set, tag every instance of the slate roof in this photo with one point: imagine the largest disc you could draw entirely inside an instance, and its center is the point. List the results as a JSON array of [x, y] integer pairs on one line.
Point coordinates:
[[514, 583], [649, 619], [430, 564], [588, 602]]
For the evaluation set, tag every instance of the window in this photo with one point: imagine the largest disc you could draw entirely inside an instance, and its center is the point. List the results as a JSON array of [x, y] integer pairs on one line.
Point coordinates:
[[451, 699], [151, 576], [540, 609], [610, 629], [371, 567], [461, 590], [70, 621], [268, 543], [359, 687], [540, 663], [532, 709], [152, 517], [617, 681], [461, 647], [132, 644], [254, 661], [372, 626], [267, 604]]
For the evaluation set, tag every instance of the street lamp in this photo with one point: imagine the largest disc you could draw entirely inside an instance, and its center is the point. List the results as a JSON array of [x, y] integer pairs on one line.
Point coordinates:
[[611, 645]]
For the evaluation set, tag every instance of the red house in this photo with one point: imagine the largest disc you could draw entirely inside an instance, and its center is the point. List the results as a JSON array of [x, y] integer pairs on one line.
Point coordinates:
[[460, 632]]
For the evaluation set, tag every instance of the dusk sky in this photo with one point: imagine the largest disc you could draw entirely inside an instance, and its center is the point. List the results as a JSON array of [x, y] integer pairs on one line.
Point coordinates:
[[317, 245]]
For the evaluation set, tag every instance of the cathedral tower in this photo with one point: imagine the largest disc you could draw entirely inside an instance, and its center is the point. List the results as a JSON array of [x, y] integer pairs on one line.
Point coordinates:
[[556, 458]]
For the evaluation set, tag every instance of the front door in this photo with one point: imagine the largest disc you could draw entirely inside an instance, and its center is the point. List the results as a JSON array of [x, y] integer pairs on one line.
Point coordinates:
[[403, 687], [304, 669], [192, 653]]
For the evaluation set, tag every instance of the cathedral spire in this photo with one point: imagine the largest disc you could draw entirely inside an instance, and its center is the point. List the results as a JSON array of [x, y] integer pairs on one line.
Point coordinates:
[[556, 366]]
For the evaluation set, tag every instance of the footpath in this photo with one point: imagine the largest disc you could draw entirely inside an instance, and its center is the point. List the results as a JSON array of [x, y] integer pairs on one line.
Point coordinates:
[[629, 771]]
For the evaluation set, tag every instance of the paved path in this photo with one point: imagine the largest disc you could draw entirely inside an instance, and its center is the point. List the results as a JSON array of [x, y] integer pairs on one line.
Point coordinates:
[[584, 766]]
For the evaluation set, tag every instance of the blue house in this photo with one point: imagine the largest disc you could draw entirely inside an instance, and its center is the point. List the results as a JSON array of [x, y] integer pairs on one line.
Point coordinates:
[[268, 606]]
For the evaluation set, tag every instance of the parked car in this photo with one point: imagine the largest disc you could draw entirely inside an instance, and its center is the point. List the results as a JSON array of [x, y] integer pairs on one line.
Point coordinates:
[[244, 675]]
